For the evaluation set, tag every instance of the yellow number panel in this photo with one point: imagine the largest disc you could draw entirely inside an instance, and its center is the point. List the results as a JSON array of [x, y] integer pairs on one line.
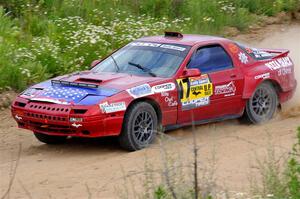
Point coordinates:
[[194, 88]]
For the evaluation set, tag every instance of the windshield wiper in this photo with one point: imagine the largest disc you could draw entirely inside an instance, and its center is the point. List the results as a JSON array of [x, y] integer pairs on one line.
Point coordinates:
[[147, 70], [117, 66]]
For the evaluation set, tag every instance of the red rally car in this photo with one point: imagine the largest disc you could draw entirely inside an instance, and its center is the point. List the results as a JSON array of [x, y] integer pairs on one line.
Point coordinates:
[[158, 83]]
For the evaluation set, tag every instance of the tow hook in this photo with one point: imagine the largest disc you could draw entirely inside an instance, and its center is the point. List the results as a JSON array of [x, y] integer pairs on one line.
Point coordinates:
[[76, 125], [18, 117]]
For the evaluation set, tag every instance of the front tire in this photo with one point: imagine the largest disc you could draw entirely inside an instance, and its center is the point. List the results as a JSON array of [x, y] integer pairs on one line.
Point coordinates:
[[262, 105], [139, 127], [50, 139]]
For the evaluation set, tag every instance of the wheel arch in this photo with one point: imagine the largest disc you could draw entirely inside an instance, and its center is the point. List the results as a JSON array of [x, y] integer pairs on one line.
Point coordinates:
[[150, 101], [248, 93], [251, 85], [275, 84]]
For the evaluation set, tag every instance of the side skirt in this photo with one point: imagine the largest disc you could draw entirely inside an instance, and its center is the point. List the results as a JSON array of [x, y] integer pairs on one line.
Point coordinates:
[[206, 121]]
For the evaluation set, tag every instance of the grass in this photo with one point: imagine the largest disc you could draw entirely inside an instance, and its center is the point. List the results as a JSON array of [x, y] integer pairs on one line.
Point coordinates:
[[189, 178], [279, 179], [175, 177], [43, 39]]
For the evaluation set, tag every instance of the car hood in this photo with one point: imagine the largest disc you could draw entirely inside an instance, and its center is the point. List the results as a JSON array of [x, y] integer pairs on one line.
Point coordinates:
[[84, 88]]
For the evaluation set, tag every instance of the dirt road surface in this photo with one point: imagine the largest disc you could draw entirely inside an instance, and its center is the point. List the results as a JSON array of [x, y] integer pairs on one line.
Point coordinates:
[[83, 168]]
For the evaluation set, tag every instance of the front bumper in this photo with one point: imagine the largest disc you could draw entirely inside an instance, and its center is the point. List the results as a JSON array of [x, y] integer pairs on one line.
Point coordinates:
[[54, 119]]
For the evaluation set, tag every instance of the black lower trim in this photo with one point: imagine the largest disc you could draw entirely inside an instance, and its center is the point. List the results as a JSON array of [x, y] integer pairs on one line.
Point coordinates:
[[218, 119]]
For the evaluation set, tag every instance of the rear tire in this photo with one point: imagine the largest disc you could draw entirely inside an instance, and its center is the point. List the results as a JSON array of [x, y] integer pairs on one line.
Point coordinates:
[[50, 139], [262, 105], [139, 127]]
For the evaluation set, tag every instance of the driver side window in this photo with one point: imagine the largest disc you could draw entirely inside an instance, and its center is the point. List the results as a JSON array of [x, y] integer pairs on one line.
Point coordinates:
[[210, 58]]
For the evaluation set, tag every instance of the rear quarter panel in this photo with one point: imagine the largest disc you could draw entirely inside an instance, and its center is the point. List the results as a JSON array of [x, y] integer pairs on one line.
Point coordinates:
[[279, 71]]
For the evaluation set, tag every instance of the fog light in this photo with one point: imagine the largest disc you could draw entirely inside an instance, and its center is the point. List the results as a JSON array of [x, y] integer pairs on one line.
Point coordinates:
[[74, 119]]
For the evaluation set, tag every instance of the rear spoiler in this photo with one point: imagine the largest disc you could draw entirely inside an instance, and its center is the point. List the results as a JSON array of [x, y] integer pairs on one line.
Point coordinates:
[[277, 52]]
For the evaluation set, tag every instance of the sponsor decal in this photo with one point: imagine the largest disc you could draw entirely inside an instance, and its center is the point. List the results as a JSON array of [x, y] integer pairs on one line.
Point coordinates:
[[284, 71], [171, 101], [282, 65], [113, 107], [260, 53], [146, 89], [172, 47], [156, 45], [243, 58], [279, 63], [193, 89], [163, 87], [145, 44], [204, 101], [199, 80], [164, 94], [262, 76], [140, 91], [226, 89], [233, 48], [257, 53]]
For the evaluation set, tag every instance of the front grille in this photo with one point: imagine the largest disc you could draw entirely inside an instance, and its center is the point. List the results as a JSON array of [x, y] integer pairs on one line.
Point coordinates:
[[47, 112], [48, 108], [47, 117]]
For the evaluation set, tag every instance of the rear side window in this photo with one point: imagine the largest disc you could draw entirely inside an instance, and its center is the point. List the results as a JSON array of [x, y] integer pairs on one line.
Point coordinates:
[[256, 53], [210, 59]]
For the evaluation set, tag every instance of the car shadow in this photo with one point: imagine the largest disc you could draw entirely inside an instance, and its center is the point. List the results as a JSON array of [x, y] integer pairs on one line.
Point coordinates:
[[110, 145], [78, 146]]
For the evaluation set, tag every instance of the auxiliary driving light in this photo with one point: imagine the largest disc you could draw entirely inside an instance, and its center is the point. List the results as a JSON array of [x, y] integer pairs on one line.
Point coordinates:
[[74, 119]]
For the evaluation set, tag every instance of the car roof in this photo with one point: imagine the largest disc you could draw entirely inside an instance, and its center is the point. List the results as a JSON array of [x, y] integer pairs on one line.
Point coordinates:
[[186, 39]]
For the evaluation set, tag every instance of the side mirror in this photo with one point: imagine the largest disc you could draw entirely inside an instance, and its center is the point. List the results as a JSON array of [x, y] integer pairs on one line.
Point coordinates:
[[95, 62], [191, 72]]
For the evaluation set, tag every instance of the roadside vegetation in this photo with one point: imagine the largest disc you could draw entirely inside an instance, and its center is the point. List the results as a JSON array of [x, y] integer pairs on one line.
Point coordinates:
[[179, 177], [279, 177], [40, 39]]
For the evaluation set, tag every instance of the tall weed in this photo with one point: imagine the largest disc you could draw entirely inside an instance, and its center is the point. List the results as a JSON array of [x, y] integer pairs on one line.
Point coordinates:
[[279, 179]]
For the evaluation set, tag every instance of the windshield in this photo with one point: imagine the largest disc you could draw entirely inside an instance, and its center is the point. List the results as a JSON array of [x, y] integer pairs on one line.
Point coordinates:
[[144, 58]]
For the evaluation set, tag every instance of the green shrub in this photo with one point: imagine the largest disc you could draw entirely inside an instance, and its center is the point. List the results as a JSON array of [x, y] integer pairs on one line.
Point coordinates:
[[53, 37], [294, 170], [160, 193], [279, 179]]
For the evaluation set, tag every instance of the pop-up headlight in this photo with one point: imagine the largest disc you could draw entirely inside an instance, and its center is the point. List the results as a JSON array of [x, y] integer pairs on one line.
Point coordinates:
[[30, 92]]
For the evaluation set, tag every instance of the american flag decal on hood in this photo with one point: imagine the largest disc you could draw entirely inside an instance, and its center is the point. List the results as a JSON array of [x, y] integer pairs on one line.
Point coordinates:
[[77, 93]]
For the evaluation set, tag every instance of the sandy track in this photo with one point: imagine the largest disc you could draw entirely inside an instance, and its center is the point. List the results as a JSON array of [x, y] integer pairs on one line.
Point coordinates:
[[66, 171]]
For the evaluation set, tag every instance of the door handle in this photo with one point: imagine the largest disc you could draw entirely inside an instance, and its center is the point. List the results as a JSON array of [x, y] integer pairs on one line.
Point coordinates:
[[233, 76]]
